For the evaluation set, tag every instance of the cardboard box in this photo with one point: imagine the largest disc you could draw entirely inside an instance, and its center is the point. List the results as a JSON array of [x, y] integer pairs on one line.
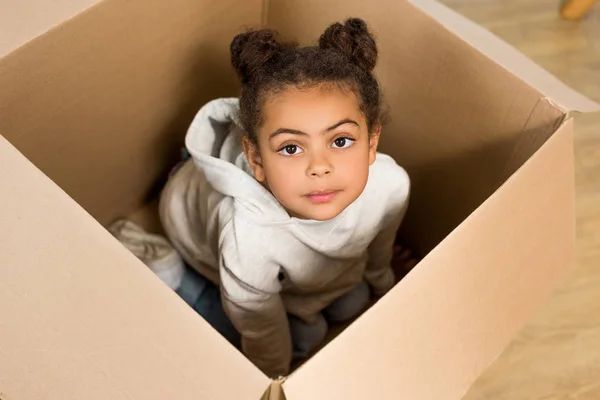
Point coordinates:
[[97, 94]]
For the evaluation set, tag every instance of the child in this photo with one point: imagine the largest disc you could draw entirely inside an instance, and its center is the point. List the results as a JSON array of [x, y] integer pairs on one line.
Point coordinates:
[[286, 212]]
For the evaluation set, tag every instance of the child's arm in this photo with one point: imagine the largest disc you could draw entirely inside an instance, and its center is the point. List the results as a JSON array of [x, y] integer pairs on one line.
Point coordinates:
[[261, 319]]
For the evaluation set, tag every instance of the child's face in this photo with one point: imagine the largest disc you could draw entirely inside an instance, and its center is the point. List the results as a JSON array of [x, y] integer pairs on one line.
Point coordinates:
[[314, 151]]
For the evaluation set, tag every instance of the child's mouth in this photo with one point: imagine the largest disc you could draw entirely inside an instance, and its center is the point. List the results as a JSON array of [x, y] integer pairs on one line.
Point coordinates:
[[322, 196]]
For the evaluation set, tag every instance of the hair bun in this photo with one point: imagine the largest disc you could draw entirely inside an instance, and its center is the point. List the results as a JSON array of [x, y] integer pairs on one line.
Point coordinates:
[[353, 40], [252, 49]]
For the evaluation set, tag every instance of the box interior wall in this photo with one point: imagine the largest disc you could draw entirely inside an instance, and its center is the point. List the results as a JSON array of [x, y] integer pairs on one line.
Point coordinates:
[[104, 112]]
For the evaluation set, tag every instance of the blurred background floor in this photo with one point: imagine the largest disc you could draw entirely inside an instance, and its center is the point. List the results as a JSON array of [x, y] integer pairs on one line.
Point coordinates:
[[557, 355]]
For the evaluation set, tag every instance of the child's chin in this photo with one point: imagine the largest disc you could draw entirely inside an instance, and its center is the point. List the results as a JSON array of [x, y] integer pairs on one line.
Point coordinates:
[[323, 212]]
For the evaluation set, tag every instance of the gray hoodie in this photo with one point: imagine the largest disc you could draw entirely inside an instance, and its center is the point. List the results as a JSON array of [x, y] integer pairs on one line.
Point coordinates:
[[233, 231]]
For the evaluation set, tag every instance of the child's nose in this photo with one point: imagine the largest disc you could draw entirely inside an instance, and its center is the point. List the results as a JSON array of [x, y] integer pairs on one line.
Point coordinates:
[[319, 166]]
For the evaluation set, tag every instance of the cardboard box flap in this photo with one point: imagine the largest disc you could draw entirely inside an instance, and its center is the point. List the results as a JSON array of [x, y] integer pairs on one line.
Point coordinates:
[[22, 21], [508, 57], [456, 311], [82, 318]]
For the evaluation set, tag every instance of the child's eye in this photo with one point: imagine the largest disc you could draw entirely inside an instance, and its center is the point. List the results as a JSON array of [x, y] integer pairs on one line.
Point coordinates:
[[290, 150], [343, 142]]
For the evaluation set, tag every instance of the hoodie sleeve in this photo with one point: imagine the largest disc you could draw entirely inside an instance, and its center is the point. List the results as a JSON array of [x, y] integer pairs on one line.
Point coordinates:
[[259, 316], [379, 273]]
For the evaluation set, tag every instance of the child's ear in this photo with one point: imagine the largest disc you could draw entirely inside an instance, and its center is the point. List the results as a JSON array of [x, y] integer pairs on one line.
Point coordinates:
[[253, 156], [374, 142]]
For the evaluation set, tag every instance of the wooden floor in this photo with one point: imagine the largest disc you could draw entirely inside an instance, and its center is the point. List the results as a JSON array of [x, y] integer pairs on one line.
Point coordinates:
[[557, 356]]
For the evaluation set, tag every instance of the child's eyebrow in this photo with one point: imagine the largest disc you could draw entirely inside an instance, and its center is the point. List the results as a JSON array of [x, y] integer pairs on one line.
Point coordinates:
[[286, 130], [342, 122], [297, 132]]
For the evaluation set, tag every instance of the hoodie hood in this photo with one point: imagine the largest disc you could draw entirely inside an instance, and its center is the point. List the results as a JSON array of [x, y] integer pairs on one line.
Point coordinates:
[[214, 140]]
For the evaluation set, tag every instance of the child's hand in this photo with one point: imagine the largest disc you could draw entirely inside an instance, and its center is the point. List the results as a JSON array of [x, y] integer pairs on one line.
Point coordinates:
[[403, 262]]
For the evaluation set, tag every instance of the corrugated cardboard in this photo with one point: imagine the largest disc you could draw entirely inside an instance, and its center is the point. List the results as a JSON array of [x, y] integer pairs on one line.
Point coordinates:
[[81, 317], [23, 21], [459, 308], [123, 74], [98, 94]]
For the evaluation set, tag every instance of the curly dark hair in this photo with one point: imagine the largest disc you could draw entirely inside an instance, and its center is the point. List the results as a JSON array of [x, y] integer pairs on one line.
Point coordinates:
[[345, 57]]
